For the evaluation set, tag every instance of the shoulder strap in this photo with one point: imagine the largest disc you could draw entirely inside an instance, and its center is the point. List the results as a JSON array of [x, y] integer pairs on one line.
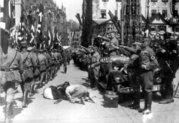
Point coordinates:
[[12, 59], [26, 58]]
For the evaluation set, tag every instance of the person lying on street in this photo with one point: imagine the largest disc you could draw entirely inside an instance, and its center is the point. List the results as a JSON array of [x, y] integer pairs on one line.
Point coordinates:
[[76, 93]]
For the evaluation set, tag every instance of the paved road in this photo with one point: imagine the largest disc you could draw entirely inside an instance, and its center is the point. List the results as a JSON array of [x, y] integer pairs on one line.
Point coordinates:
[[42, 110]]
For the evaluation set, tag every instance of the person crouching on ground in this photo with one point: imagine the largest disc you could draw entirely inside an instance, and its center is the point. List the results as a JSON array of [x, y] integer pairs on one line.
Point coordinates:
[[76, 93]]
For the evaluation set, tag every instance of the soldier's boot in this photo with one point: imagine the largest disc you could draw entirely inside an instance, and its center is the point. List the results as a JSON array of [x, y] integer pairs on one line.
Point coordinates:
[[32, 91], [46, 77], [149, 103], [49, 77], [51, 74], [25, 99], [141, 110], [42, 79], [65, 68]]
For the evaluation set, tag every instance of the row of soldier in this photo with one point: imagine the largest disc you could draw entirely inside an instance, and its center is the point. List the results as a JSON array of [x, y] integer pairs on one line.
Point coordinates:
[[30, 68]]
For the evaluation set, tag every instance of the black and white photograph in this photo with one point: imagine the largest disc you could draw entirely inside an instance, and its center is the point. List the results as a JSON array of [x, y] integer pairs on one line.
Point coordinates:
[[89, 61]]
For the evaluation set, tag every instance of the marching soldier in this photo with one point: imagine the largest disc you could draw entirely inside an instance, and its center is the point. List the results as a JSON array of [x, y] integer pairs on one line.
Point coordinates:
[[48, 70], [36, 69], [43, 66], [148, 63], [27, 75], [53, 64], [10, 70]]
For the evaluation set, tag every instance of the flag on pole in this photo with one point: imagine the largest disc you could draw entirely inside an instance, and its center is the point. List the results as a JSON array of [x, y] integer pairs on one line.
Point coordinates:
[[4, 25], [39, 26]]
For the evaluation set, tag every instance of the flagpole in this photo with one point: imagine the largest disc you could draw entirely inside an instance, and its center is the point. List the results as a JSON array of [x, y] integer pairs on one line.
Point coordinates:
[[122, 23]]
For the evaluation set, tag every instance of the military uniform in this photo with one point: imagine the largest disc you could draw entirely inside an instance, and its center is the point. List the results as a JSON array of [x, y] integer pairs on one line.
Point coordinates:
[[43, 65], [27, 75], [94, 68], [134, 68], [53, 65], [10, 76], [169, 62], [148, 63], [36, 71], [115, 42], [48, 70]]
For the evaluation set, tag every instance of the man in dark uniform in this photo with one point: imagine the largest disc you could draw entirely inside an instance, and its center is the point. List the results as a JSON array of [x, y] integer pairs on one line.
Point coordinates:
[[148, 63], [93, 70], [48, 57], [168, 59], [36, 69], [10, 70], [27, 75], [43, 65], [133, 67], [53, 62]]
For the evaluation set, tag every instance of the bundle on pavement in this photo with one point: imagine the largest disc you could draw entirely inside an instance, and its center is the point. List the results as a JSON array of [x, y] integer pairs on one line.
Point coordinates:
[[52, 93]]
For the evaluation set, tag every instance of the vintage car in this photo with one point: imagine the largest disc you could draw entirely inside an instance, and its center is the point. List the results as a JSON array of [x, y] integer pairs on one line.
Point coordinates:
[[116, 77]]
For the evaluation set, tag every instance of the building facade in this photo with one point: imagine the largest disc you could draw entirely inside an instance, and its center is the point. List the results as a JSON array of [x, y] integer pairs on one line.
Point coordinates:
[[101, 18], [152, 7], [102, 7], [163, 13]]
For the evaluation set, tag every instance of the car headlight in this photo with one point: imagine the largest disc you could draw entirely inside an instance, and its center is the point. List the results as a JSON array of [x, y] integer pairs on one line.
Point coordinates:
[[117, 79], [158, 80], [116, 68]]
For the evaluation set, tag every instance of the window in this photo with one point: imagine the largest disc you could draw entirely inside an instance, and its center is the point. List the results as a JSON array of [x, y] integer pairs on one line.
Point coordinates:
[[103, 13], [105, 0], [164, 13], [162, 28], [153, 29], [177, 29], [154, 0], [175, 13], [165, 1], [154, 12]]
